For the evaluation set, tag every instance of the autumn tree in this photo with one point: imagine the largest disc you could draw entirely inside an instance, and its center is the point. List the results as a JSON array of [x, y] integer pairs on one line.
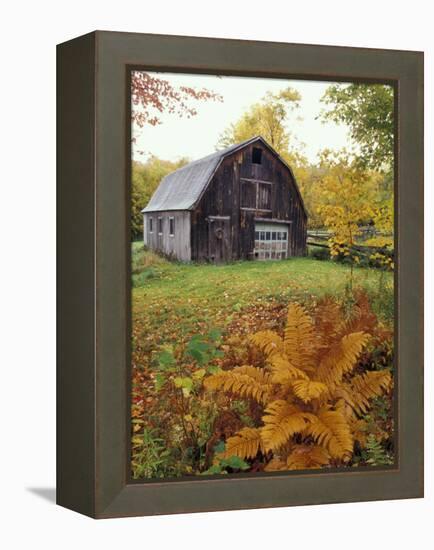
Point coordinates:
[[350, 197], [152, 95], [367, 109], [345, 203], [267, 118], [309, 179], [270, 118], [145, 180]]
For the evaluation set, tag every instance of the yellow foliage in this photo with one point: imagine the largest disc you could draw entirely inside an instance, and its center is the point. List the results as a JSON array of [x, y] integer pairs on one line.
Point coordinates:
[[328, 321], [367, 386], [245, 444], [362, 429], [341, 358], [359, 427], [306, 457], [332, 431], [268, 342], [346, 199], [281, 421], [282, 370], [312, 400], [275, 465], [307, 390], [245, 381], [299, 340]]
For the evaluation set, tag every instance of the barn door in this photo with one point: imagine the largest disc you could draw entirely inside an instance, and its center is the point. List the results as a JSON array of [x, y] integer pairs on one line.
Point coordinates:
[[219, 239], [271, 241]]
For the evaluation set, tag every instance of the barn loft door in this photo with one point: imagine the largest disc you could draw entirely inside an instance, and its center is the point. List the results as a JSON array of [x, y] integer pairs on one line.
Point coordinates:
[[219, 239]]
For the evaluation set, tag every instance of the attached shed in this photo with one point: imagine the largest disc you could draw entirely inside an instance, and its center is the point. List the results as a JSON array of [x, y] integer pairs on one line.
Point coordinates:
[[239, 203]]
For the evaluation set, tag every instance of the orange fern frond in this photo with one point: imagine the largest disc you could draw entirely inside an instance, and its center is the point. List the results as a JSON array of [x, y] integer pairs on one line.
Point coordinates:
[[328, 320], [341, 359], [306, 390], [366, 386], [275, 465], [268, 342], [258, 374], [351, 347], [281, 421], [344, 401], [245, 381], [245, 444], [283, 372], [304, 457], [359, 427], [363, 319], [332, 431], [313, 400], [299, 340]]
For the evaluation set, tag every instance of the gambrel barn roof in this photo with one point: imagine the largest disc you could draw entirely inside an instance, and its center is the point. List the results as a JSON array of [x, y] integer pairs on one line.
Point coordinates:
[[182, 189]]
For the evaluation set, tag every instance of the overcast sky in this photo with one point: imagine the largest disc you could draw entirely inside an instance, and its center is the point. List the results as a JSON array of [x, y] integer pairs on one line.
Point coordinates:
[[197, 137]]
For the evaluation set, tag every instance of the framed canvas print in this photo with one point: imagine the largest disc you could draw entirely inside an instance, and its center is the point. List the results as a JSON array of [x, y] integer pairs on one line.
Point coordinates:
[[240, 274]]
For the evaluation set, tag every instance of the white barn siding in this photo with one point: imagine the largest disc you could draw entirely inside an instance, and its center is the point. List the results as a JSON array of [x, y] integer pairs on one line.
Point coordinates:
[[145, 232], [177, 245]]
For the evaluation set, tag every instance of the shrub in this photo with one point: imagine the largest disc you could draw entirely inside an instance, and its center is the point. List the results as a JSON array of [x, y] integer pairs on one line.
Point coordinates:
[[313, 398], [178, 447], [319, 253], [150, 456]]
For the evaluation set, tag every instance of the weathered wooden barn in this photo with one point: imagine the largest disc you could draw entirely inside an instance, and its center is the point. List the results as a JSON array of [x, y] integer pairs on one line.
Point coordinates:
[[239, 203]]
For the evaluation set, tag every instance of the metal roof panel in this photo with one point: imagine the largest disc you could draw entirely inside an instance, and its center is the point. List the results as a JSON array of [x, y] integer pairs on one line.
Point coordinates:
[[181, 189]]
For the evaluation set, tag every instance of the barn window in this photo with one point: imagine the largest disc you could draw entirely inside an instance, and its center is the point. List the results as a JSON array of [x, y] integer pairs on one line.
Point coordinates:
[[264, 196], [255, 195], [171, 227], [248, 194], [151, 223], [256, 155], [160, 226]]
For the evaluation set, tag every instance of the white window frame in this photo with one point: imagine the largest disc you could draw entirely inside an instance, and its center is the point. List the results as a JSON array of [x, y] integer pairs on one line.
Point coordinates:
[[151, 224], [160, 223]]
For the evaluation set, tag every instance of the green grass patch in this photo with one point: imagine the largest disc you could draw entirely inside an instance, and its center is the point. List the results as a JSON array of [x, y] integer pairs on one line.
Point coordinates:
[[172, 300], [238, 283]]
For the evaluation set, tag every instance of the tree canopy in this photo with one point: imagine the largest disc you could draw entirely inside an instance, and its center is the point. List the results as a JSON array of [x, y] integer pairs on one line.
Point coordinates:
[[367, 109], [267, 118], [342, 191], [151, 96]]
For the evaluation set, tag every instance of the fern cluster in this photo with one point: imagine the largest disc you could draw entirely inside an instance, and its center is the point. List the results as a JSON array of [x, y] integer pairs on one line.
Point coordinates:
[[311, 392]]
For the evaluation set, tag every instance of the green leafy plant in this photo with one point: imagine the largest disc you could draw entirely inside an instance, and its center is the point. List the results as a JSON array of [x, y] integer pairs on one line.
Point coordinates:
[[177, 377], [151, 455], [375, 453], [176, 366], [224, 465]]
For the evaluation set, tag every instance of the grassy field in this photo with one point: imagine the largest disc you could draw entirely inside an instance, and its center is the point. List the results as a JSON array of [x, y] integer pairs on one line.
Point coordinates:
[[172, 300], [173, 303]]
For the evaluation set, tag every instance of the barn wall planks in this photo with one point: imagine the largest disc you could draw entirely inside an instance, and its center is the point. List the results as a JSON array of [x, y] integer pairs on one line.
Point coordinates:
[[176, 245], [240, 190], [232, 192]]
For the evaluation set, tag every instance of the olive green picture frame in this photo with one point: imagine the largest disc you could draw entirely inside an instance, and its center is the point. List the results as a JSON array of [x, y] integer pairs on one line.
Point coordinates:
[[93, 365]]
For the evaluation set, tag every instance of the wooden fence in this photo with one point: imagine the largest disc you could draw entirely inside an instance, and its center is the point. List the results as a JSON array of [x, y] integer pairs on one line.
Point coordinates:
[[319, 239]]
